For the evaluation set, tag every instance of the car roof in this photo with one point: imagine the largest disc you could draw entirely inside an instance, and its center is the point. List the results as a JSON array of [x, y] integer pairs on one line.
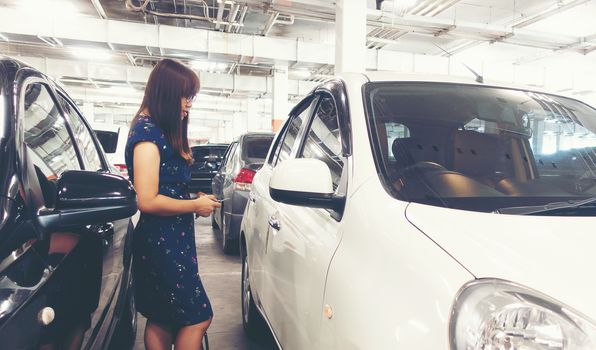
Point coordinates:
[[256, 134], [387, 76]]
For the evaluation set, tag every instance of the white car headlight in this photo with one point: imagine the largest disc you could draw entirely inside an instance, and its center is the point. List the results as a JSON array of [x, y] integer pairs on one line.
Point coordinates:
[[491, 314]]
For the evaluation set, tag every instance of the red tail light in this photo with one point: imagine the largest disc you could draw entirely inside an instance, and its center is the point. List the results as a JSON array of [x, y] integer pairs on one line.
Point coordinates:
[[122, 168], [245, 176]]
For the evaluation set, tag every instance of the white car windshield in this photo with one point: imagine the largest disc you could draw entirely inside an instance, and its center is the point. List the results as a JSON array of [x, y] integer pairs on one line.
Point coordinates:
[[481, 148]]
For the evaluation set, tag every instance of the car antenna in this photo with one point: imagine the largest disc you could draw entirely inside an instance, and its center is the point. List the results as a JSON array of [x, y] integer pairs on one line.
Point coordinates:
[[479, 78]]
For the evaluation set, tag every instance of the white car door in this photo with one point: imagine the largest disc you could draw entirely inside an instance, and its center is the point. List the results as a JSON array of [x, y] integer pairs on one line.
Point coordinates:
[[301, 241], [261, 206]]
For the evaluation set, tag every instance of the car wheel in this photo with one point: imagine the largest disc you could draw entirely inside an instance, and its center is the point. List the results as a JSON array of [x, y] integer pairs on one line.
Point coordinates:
[[126, 330], [252, 321]]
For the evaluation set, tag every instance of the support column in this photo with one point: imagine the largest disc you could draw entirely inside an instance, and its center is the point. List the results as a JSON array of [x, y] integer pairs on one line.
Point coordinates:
[[280, 108], [239, 124], [252, 117], [228, 131], [350, 36], [221, 132], [88, 110]]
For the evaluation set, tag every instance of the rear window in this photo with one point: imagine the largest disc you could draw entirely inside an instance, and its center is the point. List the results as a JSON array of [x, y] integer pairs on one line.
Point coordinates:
[[219, 152], [108, 140], [200, 154], [257, 147], [207, 154]]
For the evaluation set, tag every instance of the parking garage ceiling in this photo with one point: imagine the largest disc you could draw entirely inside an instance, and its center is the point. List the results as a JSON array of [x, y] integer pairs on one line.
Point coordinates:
[[245, 39]]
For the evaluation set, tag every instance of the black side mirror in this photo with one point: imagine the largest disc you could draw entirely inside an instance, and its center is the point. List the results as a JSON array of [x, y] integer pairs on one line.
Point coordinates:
[[88, 197]]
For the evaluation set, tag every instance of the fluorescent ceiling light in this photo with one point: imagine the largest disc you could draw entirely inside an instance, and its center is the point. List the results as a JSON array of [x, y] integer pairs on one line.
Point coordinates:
[[92, 54], [407, 3], [209, 66], [122, 90], [57, 8], [301, 73]]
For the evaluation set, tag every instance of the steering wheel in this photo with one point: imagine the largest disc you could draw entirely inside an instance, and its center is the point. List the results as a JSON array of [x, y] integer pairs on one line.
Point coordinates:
[[585, 182], [421, 167], [424, 166]]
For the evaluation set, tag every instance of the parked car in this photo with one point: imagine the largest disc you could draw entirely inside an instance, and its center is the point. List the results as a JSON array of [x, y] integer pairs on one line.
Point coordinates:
[[207, 160], [232, 184], [113, 141], [398, 212], [65, 224]]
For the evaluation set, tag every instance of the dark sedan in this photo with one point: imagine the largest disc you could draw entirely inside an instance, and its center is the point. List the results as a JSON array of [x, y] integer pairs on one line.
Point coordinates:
[[207, 160], [233, 181], [65, 224]]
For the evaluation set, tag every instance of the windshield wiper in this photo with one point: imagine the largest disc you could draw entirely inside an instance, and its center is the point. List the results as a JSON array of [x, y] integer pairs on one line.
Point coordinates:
[[554, 208]]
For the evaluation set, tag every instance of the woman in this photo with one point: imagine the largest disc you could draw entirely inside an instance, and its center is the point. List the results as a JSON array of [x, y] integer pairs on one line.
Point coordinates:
[[168, 289]]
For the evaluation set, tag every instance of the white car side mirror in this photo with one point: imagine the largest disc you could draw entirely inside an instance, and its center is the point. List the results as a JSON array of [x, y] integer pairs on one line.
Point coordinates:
[[304, 182]]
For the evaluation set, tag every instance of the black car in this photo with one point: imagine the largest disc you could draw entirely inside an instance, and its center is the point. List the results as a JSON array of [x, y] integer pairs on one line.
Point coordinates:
[[207, 160], [65, 224], [232, 184]]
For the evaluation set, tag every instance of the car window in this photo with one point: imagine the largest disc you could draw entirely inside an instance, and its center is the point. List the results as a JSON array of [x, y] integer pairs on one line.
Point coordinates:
[[46, 135], [200, 154], [323, 140], [291, 133], [108, 140], [233, 162], [230, 158], [85, 143], [219, 153], [481, 148], [277, 144], [256, 148], [226, 154]]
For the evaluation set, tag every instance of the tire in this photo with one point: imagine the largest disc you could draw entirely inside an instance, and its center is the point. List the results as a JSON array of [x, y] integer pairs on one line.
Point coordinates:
[[228, 246], [126, 329], [252, 321]]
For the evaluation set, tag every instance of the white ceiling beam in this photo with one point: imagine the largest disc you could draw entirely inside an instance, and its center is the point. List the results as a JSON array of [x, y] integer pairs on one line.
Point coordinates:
[[232, 47], [194, 43], [470, 30], [561, 6], [119, 75], [99, 9]]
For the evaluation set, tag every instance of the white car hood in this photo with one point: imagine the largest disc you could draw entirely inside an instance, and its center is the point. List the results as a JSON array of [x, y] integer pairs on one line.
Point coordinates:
[[553, 255]]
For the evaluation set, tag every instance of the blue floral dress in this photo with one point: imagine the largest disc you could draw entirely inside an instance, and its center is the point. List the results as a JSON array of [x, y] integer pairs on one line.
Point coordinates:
[[168, 288]]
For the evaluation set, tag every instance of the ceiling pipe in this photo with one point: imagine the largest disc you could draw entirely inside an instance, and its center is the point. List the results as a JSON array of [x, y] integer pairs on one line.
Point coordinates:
[[99, 9], [241, 19], [232, 17], [270, 23], [441, 7], [220, 8], [143, 8], [560, 7]]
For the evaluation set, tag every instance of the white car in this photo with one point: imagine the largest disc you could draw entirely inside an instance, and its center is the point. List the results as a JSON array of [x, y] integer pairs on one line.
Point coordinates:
[[425, 213], [113, 140]]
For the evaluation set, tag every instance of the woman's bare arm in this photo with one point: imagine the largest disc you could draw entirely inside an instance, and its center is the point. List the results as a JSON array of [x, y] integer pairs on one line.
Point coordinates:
[[146, 180]]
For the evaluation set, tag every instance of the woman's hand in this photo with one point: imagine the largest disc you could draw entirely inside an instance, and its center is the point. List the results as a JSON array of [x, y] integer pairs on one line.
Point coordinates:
[[205, 205]]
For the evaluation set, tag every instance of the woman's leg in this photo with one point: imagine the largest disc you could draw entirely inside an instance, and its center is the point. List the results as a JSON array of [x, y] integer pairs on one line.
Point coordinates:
[[157, 336], [191, 337]]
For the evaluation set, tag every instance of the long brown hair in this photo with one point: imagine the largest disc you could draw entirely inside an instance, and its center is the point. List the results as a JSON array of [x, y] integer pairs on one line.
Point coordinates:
[[168, 83]]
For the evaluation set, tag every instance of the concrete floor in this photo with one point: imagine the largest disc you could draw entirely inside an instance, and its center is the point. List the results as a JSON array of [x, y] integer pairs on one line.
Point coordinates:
[[221, 277]]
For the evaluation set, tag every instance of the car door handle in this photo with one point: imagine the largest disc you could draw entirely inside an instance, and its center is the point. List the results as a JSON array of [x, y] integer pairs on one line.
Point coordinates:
[[252, 197], [106, 230], [274, 223]]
